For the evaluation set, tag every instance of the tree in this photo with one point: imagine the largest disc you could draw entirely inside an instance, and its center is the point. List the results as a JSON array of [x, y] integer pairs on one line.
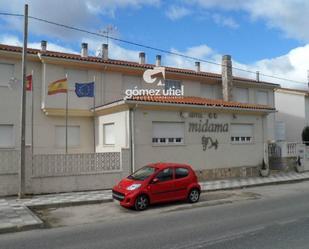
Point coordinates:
[[305, 135]]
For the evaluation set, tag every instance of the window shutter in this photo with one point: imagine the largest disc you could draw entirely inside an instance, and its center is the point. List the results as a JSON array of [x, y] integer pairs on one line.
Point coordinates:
[[6, 72], [109, 134], [168, 130]]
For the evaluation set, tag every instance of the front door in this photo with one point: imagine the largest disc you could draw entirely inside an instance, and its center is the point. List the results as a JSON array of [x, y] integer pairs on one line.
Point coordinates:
[[163, 189]]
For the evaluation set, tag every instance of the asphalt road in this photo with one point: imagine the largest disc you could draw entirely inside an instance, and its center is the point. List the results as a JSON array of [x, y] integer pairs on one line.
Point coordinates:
[[278, 219]]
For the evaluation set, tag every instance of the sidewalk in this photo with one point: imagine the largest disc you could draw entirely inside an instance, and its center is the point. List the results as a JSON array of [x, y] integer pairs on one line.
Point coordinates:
[[16, 215]]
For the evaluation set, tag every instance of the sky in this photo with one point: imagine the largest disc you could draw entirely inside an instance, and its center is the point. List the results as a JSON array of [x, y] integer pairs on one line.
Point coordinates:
[[261, 35]]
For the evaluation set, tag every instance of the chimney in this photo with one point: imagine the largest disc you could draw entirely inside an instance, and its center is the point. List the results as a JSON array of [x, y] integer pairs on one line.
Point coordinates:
[[227, 78], [105, 51], [84, 52], [43, 46], [142, 58], [197, 66], [158, 60]]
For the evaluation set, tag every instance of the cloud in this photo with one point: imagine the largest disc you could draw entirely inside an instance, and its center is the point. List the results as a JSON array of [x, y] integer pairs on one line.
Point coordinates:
[[177, 12], [292, 65], [289, 16], [225, 21], [80, 13]]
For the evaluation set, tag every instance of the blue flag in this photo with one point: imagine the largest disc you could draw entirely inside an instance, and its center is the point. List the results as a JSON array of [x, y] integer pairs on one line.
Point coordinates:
[[84, 89]]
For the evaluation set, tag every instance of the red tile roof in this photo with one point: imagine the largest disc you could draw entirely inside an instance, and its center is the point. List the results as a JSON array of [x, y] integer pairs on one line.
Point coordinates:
[[69, 56], [199, 101]]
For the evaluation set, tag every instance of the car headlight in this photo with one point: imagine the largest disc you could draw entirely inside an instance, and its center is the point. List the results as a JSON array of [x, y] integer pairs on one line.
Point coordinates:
[[133, 186]]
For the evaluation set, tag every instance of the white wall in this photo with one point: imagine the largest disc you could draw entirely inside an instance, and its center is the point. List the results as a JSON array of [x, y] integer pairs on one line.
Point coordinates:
[[227, 154], [291, 110]]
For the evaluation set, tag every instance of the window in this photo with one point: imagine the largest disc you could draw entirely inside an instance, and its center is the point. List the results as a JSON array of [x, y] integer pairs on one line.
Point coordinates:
[[241, 95], [172, 84], [208, 91], [165, 175], [109, 134], [6, 72], [167, 133], [73, 136], [181, 173], [242, 133], [262, 97], [7, 136]]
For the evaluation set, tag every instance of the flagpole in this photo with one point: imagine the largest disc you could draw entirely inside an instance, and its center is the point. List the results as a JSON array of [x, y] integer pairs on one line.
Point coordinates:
[[66, 116], [94, 129]]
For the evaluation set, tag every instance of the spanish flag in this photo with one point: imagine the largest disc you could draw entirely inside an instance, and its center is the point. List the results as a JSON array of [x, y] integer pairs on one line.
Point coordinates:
[[58, 86]]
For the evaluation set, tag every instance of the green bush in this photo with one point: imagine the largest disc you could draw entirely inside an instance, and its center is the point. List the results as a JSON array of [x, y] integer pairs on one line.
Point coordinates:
[[305, 135]]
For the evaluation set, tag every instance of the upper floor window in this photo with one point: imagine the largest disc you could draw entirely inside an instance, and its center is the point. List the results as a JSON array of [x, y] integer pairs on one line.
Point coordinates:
[[262, 97], [172, 84], [241, 95], [6, 136], [6, 72]]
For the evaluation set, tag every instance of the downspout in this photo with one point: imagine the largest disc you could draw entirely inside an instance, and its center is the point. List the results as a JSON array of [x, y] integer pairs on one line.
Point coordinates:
[[132, 134]]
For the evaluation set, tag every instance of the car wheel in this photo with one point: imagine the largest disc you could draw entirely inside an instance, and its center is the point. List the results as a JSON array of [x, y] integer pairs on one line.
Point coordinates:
[[141, 203], [194, 195]]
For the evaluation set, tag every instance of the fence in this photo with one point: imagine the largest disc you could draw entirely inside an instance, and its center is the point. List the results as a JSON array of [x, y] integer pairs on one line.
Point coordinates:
[[282, 149], [49, 173]]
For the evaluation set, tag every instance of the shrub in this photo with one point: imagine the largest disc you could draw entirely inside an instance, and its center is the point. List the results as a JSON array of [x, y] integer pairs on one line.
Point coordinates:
[[305, 135]]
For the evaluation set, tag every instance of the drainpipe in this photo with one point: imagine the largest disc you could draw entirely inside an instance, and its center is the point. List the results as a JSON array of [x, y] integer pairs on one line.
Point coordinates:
[[132, 147]]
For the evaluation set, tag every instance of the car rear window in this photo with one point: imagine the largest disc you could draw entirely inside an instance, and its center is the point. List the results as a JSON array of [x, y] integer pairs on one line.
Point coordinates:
[[181, 172]]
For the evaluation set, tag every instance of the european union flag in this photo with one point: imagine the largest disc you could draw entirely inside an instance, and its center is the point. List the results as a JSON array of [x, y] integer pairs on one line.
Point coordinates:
[[84, 89]]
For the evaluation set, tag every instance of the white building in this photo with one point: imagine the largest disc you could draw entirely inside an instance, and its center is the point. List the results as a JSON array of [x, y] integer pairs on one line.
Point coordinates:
[[156, 130]]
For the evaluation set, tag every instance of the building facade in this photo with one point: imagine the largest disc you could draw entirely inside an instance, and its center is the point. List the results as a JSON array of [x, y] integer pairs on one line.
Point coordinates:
[[103, 129]]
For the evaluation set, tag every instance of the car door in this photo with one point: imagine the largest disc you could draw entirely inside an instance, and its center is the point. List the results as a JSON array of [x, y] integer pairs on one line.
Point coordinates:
[[181, 182], [163, 189]]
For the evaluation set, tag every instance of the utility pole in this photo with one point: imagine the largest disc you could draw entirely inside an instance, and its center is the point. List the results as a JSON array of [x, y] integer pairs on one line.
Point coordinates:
[[22, 169]]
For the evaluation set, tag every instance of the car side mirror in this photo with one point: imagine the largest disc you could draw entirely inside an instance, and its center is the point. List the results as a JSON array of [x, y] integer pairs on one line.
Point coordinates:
[[154, 180]]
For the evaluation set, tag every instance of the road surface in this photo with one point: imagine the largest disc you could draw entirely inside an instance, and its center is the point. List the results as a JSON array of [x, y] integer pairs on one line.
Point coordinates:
[[278, 218]]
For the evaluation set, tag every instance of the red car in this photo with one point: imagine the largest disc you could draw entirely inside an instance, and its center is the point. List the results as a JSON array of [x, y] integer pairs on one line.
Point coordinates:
[[158, 182]]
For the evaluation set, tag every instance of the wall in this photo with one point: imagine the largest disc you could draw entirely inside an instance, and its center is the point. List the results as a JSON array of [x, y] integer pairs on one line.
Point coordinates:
[[291, 110], [121, 122], [226, 156]]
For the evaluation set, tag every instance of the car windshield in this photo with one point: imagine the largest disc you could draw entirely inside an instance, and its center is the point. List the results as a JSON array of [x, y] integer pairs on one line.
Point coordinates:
[[142, 173]]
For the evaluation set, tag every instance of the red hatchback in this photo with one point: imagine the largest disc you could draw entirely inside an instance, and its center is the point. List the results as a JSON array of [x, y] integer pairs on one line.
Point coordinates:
[[158, 182]]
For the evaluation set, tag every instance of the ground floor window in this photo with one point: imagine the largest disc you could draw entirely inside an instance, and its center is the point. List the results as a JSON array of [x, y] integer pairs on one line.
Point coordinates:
[[6, 136], [73, 136], [168, 133], [109, 134], [242, 133]]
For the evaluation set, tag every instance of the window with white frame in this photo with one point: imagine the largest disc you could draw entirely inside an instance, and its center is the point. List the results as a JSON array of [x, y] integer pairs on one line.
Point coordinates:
[[241, 95], [109, 134], [168, 133], [262, 97], [172, 84], [6, 72], [242, 133], [73, 136], [7, 136]]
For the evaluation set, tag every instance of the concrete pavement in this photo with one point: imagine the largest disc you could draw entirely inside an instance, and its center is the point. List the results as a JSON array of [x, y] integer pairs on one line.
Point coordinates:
[[16, 215]]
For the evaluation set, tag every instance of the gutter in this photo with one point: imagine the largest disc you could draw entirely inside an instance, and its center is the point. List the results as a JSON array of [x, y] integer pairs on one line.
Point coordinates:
[[198, 106], [132, 138]]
